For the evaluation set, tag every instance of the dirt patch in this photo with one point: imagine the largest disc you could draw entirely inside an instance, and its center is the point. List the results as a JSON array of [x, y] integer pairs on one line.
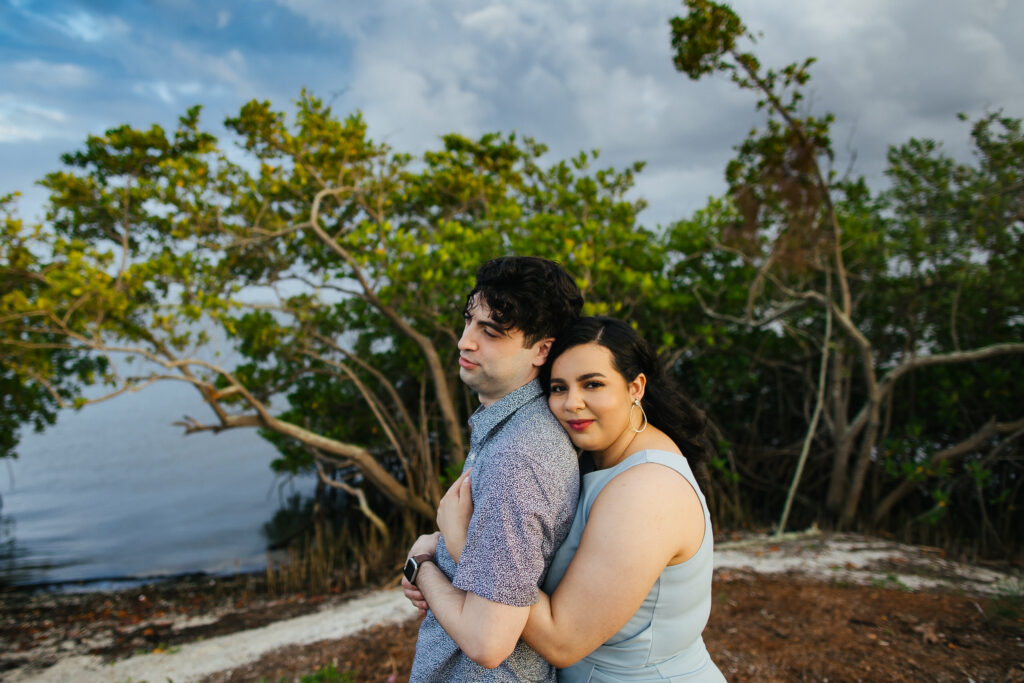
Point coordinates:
[[762, 628], [39, 629], [380, 653]]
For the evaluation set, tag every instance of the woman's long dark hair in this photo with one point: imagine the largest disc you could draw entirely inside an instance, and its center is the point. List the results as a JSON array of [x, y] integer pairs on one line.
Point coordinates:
[[666, 407]]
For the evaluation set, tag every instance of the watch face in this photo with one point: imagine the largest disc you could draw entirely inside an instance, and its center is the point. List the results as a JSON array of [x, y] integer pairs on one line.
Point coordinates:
[[410, 570]]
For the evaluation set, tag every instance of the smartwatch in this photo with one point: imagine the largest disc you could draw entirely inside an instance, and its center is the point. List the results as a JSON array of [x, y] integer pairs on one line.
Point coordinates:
[[412, 566]]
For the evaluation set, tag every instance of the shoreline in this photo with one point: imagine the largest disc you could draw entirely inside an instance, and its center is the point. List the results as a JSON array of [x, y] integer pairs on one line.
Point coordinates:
[[113, 584]]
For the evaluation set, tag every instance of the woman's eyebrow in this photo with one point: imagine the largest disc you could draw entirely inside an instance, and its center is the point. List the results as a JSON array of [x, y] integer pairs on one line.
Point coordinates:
[[589, 375]]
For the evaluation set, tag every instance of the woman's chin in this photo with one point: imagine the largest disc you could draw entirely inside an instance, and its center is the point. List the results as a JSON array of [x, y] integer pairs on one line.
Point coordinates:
[[585, 442]]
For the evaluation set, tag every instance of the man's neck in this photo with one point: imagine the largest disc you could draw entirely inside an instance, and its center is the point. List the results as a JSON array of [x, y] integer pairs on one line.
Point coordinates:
[[489, 401]]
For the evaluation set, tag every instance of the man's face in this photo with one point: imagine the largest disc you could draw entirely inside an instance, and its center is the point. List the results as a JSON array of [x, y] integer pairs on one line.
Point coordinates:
[[493, 362]]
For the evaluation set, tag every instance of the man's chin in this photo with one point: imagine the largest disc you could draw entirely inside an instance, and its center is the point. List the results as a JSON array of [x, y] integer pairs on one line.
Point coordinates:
[[468, 377]]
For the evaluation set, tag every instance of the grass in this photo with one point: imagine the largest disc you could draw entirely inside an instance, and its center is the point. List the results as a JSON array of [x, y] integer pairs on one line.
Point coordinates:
[[337, 559], [890, 581], [1009, 600], [328, 674]]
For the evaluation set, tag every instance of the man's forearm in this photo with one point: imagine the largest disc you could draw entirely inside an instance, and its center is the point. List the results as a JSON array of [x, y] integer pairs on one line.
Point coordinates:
[[445, 600], [485, 631]]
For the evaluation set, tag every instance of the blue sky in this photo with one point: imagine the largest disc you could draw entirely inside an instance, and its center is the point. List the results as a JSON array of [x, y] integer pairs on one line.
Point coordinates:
[[574, 74]]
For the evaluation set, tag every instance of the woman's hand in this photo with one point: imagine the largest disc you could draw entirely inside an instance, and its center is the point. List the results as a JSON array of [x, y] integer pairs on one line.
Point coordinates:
[[453, 514], [425, 544]]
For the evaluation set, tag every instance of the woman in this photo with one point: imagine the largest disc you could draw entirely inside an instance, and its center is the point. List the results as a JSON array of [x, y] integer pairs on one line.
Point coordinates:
[[630, 589]]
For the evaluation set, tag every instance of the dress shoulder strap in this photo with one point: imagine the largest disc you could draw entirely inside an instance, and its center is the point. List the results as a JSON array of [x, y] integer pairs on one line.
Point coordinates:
[[599, 479]]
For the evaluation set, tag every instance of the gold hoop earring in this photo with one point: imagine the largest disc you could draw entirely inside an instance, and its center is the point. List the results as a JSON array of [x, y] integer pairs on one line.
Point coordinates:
[[636, 404]]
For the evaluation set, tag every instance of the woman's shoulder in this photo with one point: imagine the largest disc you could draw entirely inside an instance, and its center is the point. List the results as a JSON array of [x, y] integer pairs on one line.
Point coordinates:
[[642, 475]]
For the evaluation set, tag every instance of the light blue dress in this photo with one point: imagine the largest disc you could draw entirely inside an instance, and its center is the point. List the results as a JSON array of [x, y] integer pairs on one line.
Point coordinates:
[[662, 641]]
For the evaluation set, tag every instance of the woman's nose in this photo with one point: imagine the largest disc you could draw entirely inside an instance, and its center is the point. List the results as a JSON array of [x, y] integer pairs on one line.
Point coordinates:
[[574, 400]]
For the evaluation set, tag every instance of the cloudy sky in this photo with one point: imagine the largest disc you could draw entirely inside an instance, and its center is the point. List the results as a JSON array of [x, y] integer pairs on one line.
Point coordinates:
[[576, 74]]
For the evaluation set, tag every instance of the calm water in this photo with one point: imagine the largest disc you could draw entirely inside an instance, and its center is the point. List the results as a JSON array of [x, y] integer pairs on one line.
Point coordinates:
[[115, 490]]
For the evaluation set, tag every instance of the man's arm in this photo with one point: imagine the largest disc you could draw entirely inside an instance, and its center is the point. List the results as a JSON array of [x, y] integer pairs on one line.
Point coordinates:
[[485, 631]]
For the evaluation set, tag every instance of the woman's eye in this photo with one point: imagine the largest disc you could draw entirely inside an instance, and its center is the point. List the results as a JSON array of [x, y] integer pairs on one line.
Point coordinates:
[[557, 389], [593, 385]]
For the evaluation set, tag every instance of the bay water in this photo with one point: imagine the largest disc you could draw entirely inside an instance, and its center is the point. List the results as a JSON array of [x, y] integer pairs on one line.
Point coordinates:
[[116, 491]]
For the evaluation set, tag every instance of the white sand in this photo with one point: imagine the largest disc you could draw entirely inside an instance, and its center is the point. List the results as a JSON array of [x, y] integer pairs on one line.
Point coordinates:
[[192, 662]]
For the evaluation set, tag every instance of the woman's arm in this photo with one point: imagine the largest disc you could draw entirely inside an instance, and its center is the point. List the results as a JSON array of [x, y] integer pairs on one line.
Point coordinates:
[[641, 522]]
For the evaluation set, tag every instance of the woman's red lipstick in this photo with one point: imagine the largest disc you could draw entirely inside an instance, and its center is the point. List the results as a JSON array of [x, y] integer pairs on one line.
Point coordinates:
[[580, 425]]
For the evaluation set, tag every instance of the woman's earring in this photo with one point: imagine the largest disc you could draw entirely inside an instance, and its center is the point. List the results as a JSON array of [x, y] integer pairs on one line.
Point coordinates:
[[636, 404]]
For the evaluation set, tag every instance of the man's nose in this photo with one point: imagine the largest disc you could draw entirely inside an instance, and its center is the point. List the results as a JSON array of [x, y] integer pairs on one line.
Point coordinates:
[[466, 342]]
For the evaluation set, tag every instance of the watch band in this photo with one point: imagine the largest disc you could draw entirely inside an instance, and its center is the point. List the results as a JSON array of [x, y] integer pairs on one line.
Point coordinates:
[[412, 572]]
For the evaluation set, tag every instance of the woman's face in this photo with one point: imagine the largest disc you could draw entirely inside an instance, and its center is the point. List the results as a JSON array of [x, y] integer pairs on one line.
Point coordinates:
[[591, 398]]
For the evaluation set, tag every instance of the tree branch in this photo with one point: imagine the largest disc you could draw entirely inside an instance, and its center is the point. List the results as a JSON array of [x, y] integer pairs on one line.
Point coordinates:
[[445, 401], [358, 494], [956, 451]]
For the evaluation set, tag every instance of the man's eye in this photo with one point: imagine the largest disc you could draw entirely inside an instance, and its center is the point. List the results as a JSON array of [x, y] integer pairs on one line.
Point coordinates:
[[490, 334]]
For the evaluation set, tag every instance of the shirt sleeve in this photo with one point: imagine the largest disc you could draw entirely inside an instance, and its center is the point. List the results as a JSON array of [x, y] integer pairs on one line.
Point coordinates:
[[513, 517]]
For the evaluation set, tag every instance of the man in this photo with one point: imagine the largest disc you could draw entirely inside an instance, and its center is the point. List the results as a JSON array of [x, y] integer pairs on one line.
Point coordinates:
[[525, 481]]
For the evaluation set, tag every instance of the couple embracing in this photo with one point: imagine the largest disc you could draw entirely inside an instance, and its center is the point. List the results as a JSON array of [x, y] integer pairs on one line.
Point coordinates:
[[606, 578]]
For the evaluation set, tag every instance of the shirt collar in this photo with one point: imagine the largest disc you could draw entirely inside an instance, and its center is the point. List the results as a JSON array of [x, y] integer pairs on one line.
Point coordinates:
[[483, 420]]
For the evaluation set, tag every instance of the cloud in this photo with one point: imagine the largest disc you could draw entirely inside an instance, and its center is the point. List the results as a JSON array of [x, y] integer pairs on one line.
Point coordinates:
[[171, 93], [23, 121], [39, 73], [228, 68], [575, 74], [85, 26]]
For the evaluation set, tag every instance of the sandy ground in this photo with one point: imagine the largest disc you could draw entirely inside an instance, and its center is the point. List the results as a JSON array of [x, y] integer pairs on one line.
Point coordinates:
[[846, 559], [192, 662]]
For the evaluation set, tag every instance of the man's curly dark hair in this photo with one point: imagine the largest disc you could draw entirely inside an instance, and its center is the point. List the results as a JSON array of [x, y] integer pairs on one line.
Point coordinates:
[[531, 294]]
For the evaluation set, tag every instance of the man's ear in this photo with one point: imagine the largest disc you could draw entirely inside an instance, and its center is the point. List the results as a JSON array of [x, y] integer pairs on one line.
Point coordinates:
[[542, 349]]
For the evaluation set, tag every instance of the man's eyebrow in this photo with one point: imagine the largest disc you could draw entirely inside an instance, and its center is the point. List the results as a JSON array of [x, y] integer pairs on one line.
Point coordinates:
[[469, 318], [492, 326]]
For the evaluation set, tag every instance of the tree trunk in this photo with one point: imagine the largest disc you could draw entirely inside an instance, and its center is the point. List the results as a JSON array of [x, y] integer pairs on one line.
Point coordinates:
[[867, 447]]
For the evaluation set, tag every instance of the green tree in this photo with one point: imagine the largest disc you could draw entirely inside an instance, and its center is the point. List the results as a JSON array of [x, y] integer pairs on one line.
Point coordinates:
[[36, 377], [809, 273], [335, 267]]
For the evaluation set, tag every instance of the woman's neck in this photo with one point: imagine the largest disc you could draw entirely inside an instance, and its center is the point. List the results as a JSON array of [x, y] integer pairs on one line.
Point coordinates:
[[623, 446]]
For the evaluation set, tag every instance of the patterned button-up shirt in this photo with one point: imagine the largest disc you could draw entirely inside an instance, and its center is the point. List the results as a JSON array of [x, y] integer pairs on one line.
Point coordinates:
[[525, 485]]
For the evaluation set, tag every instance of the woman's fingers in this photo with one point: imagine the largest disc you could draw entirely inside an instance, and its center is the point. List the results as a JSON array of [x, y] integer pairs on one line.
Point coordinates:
[[453, 490], [461, 481]]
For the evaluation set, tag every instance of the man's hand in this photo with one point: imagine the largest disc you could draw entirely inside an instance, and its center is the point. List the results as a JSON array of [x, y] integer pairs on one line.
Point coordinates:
[[415, 596], [424, 545]]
